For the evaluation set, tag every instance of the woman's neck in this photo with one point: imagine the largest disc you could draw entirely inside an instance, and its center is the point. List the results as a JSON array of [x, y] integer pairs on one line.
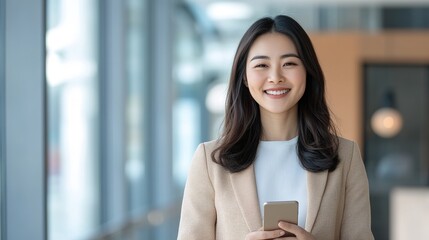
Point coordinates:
[[279, 127]]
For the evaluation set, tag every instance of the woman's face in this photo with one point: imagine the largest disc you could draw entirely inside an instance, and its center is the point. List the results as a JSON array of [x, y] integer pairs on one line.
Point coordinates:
[[275, 74]]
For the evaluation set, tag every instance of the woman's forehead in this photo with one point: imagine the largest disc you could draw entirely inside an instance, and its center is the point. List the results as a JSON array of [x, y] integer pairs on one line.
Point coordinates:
[[272, 44]]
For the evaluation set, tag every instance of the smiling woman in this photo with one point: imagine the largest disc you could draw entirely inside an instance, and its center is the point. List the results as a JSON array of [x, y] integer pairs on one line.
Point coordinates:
[[278, 144]]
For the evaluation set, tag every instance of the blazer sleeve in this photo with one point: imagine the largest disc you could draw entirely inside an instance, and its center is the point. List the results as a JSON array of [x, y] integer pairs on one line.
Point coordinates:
[[357, 213], [198, 215]]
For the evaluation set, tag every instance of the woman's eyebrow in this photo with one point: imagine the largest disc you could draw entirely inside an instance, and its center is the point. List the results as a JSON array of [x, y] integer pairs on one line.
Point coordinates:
[[289, 55], [259, 57], [282, 56]]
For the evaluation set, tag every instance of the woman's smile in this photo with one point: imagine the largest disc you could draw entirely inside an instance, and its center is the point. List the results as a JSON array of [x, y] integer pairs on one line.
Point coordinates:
[[277, 92]]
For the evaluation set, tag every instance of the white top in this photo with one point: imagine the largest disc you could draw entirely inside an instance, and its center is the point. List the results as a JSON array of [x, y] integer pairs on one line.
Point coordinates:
[[279, 175]]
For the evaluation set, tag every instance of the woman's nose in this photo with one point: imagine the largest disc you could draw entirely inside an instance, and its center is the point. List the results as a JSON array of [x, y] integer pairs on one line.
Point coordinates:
[[276, 76]]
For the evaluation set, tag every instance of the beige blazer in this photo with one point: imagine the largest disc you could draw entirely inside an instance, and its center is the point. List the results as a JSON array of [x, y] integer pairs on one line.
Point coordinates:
[[218, 204]]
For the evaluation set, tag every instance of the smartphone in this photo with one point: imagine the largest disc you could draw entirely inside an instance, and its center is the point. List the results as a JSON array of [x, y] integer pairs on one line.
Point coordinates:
[[280, 211]]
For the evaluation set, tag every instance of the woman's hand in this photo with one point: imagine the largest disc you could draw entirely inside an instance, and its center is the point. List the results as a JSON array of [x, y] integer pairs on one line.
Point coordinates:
[[299, 232], [261, 234]]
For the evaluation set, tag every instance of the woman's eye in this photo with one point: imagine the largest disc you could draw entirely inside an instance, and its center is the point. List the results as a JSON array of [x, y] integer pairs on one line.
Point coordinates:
[[288, 64], [261, 65]]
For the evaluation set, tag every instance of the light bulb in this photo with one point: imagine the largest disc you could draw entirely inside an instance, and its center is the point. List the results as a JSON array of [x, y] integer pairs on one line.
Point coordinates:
[[386, 122]]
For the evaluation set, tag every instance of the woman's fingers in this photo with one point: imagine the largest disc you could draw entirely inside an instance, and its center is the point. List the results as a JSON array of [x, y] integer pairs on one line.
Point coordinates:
[[289, 227], [265, 234], [299, 232]]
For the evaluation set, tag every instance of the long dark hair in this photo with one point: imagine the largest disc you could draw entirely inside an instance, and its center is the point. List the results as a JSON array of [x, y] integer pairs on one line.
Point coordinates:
[[317, 139]]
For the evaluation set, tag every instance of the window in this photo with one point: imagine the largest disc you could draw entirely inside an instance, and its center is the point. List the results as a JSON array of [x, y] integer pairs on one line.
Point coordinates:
[[136, 116], [73, 113]]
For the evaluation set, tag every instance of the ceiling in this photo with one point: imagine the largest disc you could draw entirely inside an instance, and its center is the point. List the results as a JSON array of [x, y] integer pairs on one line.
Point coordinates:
[[231, 17]]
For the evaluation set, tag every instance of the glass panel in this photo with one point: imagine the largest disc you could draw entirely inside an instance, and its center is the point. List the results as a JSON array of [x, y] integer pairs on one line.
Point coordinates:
[[72, 88], [189, 92], [136, 108], [136, 166]]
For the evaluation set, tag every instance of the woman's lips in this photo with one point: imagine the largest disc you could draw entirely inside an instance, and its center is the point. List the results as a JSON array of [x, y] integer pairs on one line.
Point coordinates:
[[277, 92]]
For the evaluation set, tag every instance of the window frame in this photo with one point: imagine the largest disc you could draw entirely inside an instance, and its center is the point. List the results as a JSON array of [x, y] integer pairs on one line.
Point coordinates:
[[23, 121]]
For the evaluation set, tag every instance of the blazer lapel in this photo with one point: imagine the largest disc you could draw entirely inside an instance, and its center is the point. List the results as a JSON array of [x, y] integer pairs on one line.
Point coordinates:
[[244, 186], [316, 183]]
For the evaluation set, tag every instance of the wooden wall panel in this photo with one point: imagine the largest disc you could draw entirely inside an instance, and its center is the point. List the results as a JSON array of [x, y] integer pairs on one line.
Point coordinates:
[[342, 55]]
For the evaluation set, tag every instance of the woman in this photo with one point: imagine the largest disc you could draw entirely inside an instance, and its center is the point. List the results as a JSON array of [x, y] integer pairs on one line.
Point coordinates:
[[278, 143]]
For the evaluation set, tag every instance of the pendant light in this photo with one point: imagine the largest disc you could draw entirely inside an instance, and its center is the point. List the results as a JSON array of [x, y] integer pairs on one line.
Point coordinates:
[[386, 122]]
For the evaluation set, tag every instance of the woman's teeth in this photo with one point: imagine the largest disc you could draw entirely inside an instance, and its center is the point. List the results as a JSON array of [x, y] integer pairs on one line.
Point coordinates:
[[277, 92]]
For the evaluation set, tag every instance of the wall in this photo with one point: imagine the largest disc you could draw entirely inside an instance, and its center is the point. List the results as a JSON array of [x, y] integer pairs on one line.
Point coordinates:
[[342, 56]]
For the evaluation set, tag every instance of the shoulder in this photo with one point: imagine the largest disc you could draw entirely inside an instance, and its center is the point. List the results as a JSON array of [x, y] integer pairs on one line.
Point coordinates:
[[348, 151], [205, 149], [210, 146], [204, 153], [346, 147], [349, 154]]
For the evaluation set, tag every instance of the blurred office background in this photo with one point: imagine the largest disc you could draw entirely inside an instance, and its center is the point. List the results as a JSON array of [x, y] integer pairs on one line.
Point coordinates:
[[102, 104]]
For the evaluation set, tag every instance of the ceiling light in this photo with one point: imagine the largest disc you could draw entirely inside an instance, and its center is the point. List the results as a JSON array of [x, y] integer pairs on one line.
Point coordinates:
[[229, 11]]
